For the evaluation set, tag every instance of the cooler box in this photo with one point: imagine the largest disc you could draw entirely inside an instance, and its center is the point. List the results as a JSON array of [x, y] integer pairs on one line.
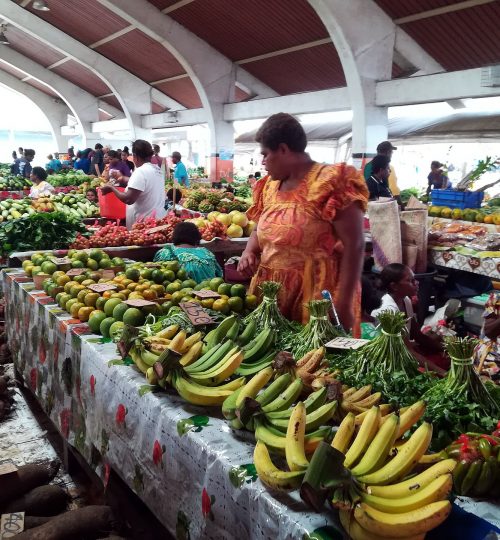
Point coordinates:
[[456, 199], [110, 205]]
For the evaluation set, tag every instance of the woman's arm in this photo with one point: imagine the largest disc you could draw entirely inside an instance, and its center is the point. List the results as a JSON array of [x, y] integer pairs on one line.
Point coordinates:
[[250, 258], [348, 225]]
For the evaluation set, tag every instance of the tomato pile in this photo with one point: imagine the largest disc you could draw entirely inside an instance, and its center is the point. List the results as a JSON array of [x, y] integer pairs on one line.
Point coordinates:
[[113, 234]]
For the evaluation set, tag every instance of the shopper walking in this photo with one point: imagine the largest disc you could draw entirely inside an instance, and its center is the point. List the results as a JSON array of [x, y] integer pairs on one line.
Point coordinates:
[[180, 173], [145, 193], [309, 233]]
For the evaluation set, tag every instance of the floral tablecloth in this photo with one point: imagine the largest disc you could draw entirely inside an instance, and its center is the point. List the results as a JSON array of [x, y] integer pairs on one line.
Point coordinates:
[[449, 258], [192, 471]]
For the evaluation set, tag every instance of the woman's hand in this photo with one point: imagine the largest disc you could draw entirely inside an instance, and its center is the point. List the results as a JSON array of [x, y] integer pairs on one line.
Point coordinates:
[[107, 188], [249, 263]]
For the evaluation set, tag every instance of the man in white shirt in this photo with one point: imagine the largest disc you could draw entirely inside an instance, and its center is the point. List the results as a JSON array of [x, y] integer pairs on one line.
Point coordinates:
[[145, 193]]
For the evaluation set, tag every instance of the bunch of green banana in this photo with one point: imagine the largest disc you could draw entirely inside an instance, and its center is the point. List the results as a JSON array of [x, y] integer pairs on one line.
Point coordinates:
[[258, 352]]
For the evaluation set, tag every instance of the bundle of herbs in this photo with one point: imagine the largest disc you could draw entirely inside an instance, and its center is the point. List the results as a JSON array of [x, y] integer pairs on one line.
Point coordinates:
[[461, 402], [268, 314], [318, 331], [386, 364]]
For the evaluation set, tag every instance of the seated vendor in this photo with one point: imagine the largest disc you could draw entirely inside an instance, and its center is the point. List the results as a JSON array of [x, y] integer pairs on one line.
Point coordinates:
[[399, 284], [200, 263], [487, 353]]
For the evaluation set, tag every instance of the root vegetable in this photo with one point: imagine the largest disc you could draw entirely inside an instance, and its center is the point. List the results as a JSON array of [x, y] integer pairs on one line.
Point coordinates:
[[88, 522], [41, 501], [25, 479], [30, 522]]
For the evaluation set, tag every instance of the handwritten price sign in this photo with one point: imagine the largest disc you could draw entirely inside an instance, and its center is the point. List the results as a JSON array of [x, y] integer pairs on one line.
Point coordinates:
[[11, 524], [62, 260], [137, 302], [197, 315], [157, 229], [206, 294], [76, 271], [101, 287], [346, 343]]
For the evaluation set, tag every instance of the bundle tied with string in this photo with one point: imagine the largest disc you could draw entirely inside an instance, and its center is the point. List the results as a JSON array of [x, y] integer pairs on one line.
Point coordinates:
[[463, 388], [385, 355], [318, 331]]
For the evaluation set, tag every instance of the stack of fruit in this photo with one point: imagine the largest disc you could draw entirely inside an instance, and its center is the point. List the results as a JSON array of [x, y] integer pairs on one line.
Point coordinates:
[[9, 182], [73, 204], [208, 200], [234, 225], [486, 214], [15, 209]]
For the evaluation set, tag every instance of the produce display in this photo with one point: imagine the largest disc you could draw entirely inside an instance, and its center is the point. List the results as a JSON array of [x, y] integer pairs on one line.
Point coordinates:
[[459, 234], [209, 200], [12, 209], [71, 204], [45, 230], [68, 177], [10, 182]]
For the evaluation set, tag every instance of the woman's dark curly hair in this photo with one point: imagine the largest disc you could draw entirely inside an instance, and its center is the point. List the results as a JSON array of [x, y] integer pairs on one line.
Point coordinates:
[[279, 129], [186, 233]]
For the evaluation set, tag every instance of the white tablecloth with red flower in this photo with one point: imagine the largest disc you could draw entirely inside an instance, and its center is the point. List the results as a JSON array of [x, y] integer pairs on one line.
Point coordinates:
[[191, 470]]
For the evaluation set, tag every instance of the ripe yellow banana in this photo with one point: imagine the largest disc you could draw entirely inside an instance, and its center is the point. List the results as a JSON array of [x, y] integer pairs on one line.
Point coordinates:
[[270, 475], [168, 332], [415, 483], [370, 401], [385, 409], [414, 522], [404, 461], [178, 342], [192, 354], [378, 450], [199, 395], [356, 532], [151, 376], [344, 434], [138, 361], [410, 417], [364, 437], [255, 385], [429, 459], [438, 490], [358, 395], [294, 445], [190, 341]]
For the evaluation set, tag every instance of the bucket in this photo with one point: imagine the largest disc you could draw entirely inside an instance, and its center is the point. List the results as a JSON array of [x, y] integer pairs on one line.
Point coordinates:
[[110, 205]]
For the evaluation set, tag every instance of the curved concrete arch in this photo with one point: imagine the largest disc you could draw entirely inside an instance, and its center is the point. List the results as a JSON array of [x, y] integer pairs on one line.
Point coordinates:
[[133, 93], [83, 105], [56, 113]]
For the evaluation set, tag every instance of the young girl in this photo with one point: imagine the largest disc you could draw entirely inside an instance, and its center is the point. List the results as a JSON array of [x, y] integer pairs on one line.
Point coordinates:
[[399, 284], [200, 263]]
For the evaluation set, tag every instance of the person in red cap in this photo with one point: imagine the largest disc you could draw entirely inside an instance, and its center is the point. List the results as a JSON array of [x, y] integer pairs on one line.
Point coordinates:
[[386, 148]]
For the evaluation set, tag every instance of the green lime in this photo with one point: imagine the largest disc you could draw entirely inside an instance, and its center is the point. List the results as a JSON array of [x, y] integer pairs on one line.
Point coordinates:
[[133, 273], [92, 264], [48, 267], [236, 303], [134, 317], [105, 263], [96, 254], [188, 284], [215, 283], [119, 311], [110, 305], [238, 290], [169, 275], [182, 274], [105, 326], [158, 276], [100, 303], [95, 320], [76, 263], [116, 330], [224, 288]]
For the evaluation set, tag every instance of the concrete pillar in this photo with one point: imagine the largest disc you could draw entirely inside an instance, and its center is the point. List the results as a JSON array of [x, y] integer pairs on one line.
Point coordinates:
[[366, 51]]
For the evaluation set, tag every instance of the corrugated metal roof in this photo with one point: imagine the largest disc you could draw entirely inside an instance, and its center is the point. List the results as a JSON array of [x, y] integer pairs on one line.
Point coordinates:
[[462, 39], [142, 56], [32, 48], [88, 21], [242, 29], [183, 91], [83, 77], [397, 9], [317, 68]]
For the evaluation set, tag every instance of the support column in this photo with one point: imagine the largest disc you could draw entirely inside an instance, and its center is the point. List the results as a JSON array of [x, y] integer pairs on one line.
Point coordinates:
[[221, 151], [366, 51]]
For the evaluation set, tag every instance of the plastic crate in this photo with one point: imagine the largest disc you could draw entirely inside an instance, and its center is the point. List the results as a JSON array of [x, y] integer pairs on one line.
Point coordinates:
[[456, 199]]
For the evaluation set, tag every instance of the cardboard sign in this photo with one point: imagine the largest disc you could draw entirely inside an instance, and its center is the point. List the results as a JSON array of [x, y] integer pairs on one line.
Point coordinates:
[[196, 313], [138, 302], [157, 229], [7, 468], [108, 273], [11, 524], [76, 271], [62, 260], [101, 287], [346, 343], [206, 294]]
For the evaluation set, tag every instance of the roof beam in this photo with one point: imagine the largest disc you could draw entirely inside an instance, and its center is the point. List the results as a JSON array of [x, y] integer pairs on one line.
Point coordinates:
[[111, 37], [310, 102], [288, 50], [188, 117], [177, 5], [466, 4], [133, 93], [433, 88]]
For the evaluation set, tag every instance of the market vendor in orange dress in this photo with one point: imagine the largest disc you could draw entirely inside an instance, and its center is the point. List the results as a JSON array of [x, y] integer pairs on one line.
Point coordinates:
[[309, 233]]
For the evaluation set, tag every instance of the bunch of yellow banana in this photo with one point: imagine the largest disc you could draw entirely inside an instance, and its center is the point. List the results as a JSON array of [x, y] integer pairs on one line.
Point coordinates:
[[390, 506], [359, 401]]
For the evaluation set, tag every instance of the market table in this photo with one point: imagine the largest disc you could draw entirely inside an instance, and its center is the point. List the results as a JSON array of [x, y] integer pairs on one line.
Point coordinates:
[[191, 470], [467, 262]]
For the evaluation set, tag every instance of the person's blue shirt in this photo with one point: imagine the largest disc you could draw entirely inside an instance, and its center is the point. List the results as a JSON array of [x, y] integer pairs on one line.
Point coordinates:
[[54, 164], [180, 174], [83, 164]]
